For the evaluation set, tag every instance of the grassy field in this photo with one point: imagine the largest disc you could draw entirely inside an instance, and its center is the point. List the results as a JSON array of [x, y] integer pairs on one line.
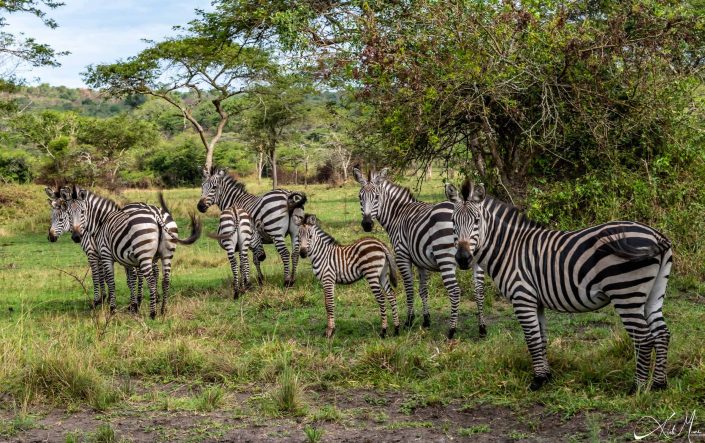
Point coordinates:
[[260, 367]]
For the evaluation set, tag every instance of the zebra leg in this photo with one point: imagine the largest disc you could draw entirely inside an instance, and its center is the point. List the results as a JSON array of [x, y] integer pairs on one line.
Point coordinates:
[[527, 315], [260, 277], [233, 267], [98, 280], [375, 285], [423, 293], [542, 325], [139, 278], [245, 269], [632, 315], [155, 272], [284, 254], [146, 269], [478, 276], [132, 277], [407, 275], [657, 325], [328, 283], [451, 285], [166, 281], [392, 299], [294, 258], [109, 276]]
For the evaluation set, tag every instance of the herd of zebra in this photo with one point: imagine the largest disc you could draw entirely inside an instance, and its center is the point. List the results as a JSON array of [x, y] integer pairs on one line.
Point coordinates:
[[625, 264]]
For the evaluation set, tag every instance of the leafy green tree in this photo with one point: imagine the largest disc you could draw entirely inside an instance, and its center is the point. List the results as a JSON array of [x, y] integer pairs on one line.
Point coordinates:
[[213, 71]]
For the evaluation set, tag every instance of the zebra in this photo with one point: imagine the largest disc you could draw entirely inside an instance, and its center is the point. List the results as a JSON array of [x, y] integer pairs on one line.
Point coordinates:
[[271, 210], [237, 232], [333, 263], [60, 222], [622, 263], [89, 213], [422, 236]]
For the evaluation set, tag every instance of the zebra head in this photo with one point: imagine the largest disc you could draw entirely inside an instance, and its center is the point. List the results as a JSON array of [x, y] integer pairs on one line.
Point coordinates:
[[212, 179], [307, 224], [60, 222], [256, 245], [467, 220], [76, 200], [370, 192]]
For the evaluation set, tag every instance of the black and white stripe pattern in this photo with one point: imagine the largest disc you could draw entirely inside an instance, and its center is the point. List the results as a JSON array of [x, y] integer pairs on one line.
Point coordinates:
[[237, 233], [271, 211], [333, 263], [90, 214], [623, 263], [422, 237], [60, 221]]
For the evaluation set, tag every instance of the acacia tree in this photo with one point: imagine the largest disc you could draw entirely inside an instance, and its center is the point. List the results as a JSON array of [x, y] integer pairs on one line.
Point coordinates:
[[213, 70], [276, 105]]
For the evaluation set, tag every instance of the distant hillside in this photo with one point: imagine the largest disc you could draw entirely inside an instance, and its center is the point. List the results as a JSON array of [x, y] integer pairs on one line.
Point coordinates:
[[82, 101]]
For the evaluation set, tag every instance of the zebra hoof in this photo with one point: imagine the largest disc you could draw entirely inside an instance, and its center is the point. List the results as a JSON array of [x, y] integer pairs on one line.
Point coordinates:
[[396, 330], [153, 315], [134, 309], [483, 331], [659, 386], [288, 283], [409, 320], [539, 381], [236, 295], [451, 333], [330, 332], [426, 320], [637, 388], [97, 303], [260, 281], [247, 286], [383, 333]]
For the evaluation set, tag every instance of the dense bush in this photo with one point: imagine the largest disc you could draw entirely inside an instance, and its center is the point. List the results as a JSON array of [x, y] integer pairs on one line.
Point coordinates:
[[15, 166]]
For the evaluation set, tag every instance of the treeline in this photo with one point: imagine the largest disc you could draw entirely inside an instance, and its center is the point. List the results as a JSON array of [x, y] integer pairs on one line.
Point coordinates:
[[60, 133]]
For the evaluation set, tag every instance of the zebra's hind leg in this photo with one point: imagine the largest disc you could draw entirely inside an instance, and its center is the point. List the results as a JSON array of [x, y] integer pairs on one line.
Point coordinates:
[[630, 308], [155, 272], [528, 317], [423, 293], [132, 278], [146, 270], [478, 276], [542, 326], [657, 324], [260, 277], [451, 285], [407, 276], [245, 269], [139, 287], [376, 286], [233, 268], [166, 282], [392, 300], [285, 256]]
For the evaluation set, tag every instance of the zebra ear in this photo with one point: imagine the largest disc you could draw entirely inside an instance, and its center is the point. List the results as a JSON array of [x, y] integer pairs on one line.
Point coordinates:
[[310, 219], [51, 202], [50, 192], [220, 173], [81, 193], [359, 176], [452, 193], [206, 173], [479, 194], [297, 217], [381, 176], [65, 193]]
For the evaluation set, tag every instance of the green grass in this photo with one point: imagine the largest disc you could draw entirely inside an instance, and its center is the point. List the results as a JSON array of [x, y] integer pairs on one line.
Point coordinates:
[[270, 343]]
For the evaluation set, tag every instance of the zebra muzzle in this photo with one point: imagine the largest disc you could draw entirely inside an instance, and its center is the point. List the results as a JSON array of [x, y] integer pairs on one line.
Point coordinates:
[[367, 224], [76, 237], [52, 237], [303, 253], [463, 258], [202, 206]]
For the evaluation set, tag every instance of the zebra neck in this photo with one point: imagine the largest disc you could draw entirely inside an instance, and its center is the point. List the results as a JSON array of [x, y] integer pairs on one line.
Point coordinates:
[[98, 209], [393, 197], [234, 193], [321, 250]]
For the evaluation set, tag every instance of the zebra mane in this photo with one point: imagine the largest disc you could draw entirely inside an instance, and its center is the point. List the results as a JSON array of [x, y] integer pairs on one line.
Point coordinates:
[[238, 185], [521, 217], [403, 190], [328, 239]]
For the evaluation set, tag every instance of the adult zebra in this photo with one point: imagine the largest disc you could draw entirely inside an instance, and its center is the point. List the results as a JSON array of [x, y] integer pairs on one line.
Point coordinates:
[[332, 263], [422, 236], [623, 263], [89, 213], [61, 222], [270, 211]]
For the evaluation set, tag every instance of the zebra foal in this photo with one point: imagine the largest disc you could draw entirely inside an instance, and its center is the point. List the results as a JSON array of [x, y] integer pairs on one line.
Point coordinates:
[[622, 263], [332, 263]]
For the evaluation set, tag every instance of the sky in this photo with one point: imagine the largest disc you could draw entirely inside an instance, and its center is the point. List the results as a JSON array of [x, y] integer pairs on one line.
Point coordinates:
[[100, 31]]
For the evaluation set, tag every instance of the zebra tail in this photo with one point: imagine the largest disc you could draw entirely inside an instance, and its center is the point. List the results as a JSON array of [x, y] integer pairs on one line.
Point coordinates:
[[622, 249], [195, 225], [296, 200], [392, 267]]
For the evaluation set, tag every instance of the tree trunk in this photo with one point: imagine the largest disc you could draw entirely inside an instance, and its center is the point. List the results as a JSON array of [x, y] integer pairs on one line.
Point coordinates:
[[273, 161], [305, 171], [260, 166]]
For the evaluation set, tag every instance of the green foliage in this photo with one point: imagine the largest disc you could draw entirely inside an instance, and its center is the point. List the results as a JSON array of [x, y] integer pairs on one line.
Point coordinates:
[[178, 162], [15, 166]]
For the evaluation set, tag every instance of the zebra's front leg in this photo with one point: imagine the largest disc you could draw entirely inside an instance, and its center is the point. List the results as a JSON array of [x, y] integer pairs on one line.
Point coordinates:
[[280, 244], [108, 274], [451, 285], [97, 278], [294, 258], [245, 269], [376, 287], [328, 283], [260, 276], [233, 267], [407, 275], [527, 314], [132, 278], [423, 293], [166, 281], [392, 300], [478, 276]]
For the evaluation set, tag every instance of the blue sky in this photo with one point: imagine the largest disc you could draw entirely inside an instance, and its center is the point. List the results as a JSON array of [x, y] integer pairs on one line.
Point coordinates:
[[100, 31]]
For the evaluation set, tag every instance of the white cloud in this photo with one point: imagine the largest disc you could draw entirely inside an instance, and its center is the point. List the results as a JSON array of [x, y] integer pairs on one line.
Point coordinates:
[[100, 32]]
